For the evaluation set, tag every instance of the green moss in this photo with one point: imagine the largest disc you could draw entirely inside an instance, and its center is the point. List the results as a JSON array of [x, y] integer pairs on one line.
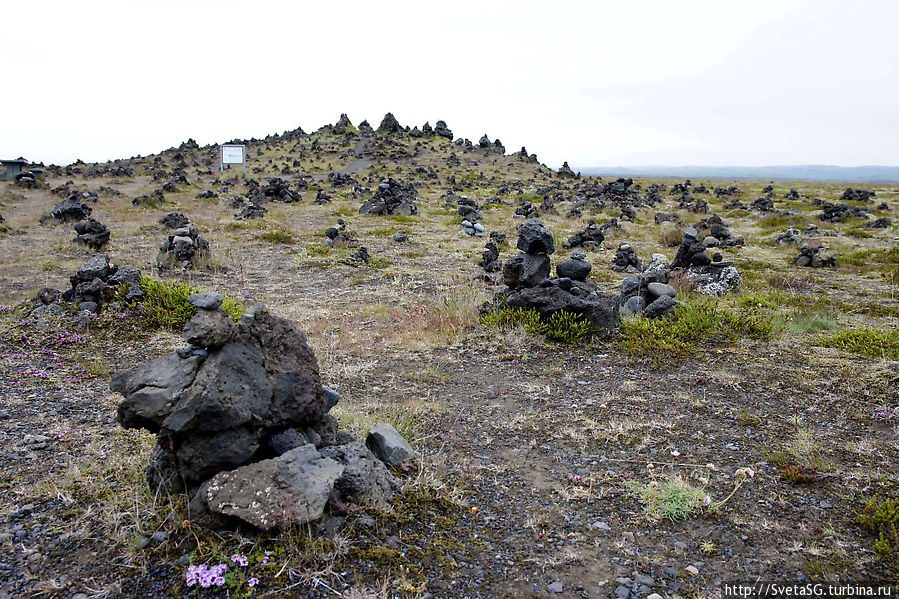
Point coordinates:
[[689, 329], [560, 326], [276, 237], [165, 304], [866, 341]]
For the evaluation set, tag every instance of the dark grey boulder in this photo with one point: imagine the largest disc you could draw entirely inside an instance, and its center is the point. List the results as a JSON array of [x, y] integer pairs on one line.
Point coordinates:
[[209, 328], [208, 300], [577, 270], [525, 270], [534, 238], [291, 489], [633, 305], [662, 306], [600, 309], [365, 479], [388, 445]]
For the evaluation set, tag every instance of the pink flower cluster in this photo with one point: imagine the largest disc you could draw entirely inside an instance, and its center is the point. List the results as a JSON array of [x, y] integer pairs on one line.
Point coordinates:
[[205, 576]]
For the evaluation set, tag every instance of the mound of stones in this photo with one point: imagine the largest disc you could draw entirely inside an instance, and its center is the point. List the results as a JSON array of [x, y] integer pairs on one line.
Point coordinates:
[[858, 195], [526, 276], [343, 125], [490, 261], [649, 293], [626, 260], [835, 213], [70, 209], [184, 248], [247, 209], [242, 423], [809, 257], [389, 124], [710, 276], [714, 233], [339, 235], [591, 237], [174, 220], [278, 190], [157, 198], [91, 233], [92, 286], [442, 130], [789, 237], [566, 172], [391, 197]]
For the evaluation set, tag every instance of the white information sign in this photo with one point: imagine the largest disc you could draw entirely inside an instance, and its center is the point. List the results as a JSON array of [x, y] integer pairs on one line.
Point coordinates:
[[234, 154]]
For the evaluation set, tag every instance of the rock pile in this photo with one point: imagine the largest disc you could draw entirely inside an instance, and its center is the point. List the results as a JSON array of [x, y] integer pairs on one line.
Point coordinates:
[[174, 220], [278, 190], [392, 197], [96, 282], [443, 131], [789, 237], [339, 235], [389, 124], [707, 276], [566, 172], [242, 423], [490, 261], [808, 256], [626, 260], [184, 248], [649, 293], [528, 286], [858, 195], [91, 233], [591, 237], [835, 213], [247, 209], [71, 208]]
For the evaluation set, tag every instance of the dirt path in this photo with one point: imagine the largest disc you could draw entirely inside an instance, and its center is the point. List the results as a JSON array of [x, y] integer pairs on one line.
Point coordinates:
[[361, 161]]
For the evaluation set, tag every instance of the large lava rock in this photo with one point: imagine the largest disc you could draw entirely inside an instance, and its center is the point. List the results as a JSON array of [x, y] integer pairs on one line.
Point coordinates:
[[290, 489], [600, 309], [212, 408]]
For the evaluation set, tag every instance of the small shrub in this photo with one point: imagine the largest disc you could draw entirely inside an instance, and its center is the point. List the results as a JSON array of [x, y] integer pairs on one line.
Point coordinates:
[[560, 326], [690, 327], [674, 499], [276, 237], [671, 237], [881, 517], [165, 304], [868, 342]]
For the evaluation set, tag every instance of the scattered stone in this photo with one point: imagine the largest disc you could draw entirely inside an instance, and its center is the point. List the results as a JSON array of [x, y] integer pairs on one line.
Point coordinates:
[[388, 445], [72, 208]]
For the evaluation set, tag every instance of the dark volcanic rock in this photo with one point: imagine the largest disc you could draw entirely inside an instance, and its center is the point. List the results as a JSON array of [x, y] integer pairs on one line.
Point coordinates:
[[600, 310], [392, 197], [72, 208], [490, 258], [91, 233], [566, 171], [213, 415], [533, 238], [443, 131], [575, 269], [525, 270], [389, 124], [174, 220]]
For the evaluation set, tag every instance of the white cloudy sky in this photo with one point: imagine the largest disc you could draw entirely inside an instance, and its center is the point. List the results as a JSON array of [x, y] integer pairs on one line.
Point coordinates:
[[594, 83]]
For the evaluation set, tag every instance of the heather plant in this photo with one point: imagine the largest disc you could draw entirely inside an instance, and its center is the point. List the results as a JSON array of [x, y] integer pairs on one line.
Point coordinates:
[[562, 326]]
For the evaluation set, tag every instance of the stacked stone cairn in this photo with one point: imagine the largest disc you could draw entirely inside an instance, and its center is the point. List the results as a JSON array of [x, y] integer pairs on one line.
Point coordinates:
[[339, 236], [243, 425], [91, 233], [710, 276], [92, 286], [809, 257], [649, 293], [526, 276], [626, 260], [184, 248], [70, 209], [392, 197]]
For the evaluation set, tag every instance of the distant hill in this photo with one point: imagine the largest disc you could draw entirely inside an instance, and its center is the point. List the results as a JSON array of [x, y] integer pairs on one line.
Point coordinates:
[[810, 172]]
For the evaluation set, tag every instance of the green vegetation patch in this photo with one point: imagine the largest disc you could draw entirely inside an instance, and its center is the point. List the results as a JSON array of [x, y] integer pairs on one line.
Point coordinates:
[[866, 341], [561, 326], [673, 499], [165, 304], [692, 326], [881, 518]]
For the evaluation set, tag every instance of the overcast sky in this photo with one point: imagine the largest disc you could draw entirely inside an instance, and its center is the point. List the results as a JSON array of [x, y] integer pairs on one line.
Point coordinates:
[[594, 83]]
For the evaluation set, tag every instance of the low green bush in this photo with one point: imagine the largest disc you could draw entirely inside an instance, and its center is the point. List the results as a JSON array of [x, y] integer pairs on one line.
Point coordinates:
[[561, 326], [692, 326], [165, 304], [868, 342]]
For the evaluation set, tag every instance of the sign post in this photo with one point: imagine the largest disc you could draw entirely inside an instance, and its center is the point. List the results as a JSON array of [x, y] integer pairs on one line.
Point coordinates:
[[234, 154]]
